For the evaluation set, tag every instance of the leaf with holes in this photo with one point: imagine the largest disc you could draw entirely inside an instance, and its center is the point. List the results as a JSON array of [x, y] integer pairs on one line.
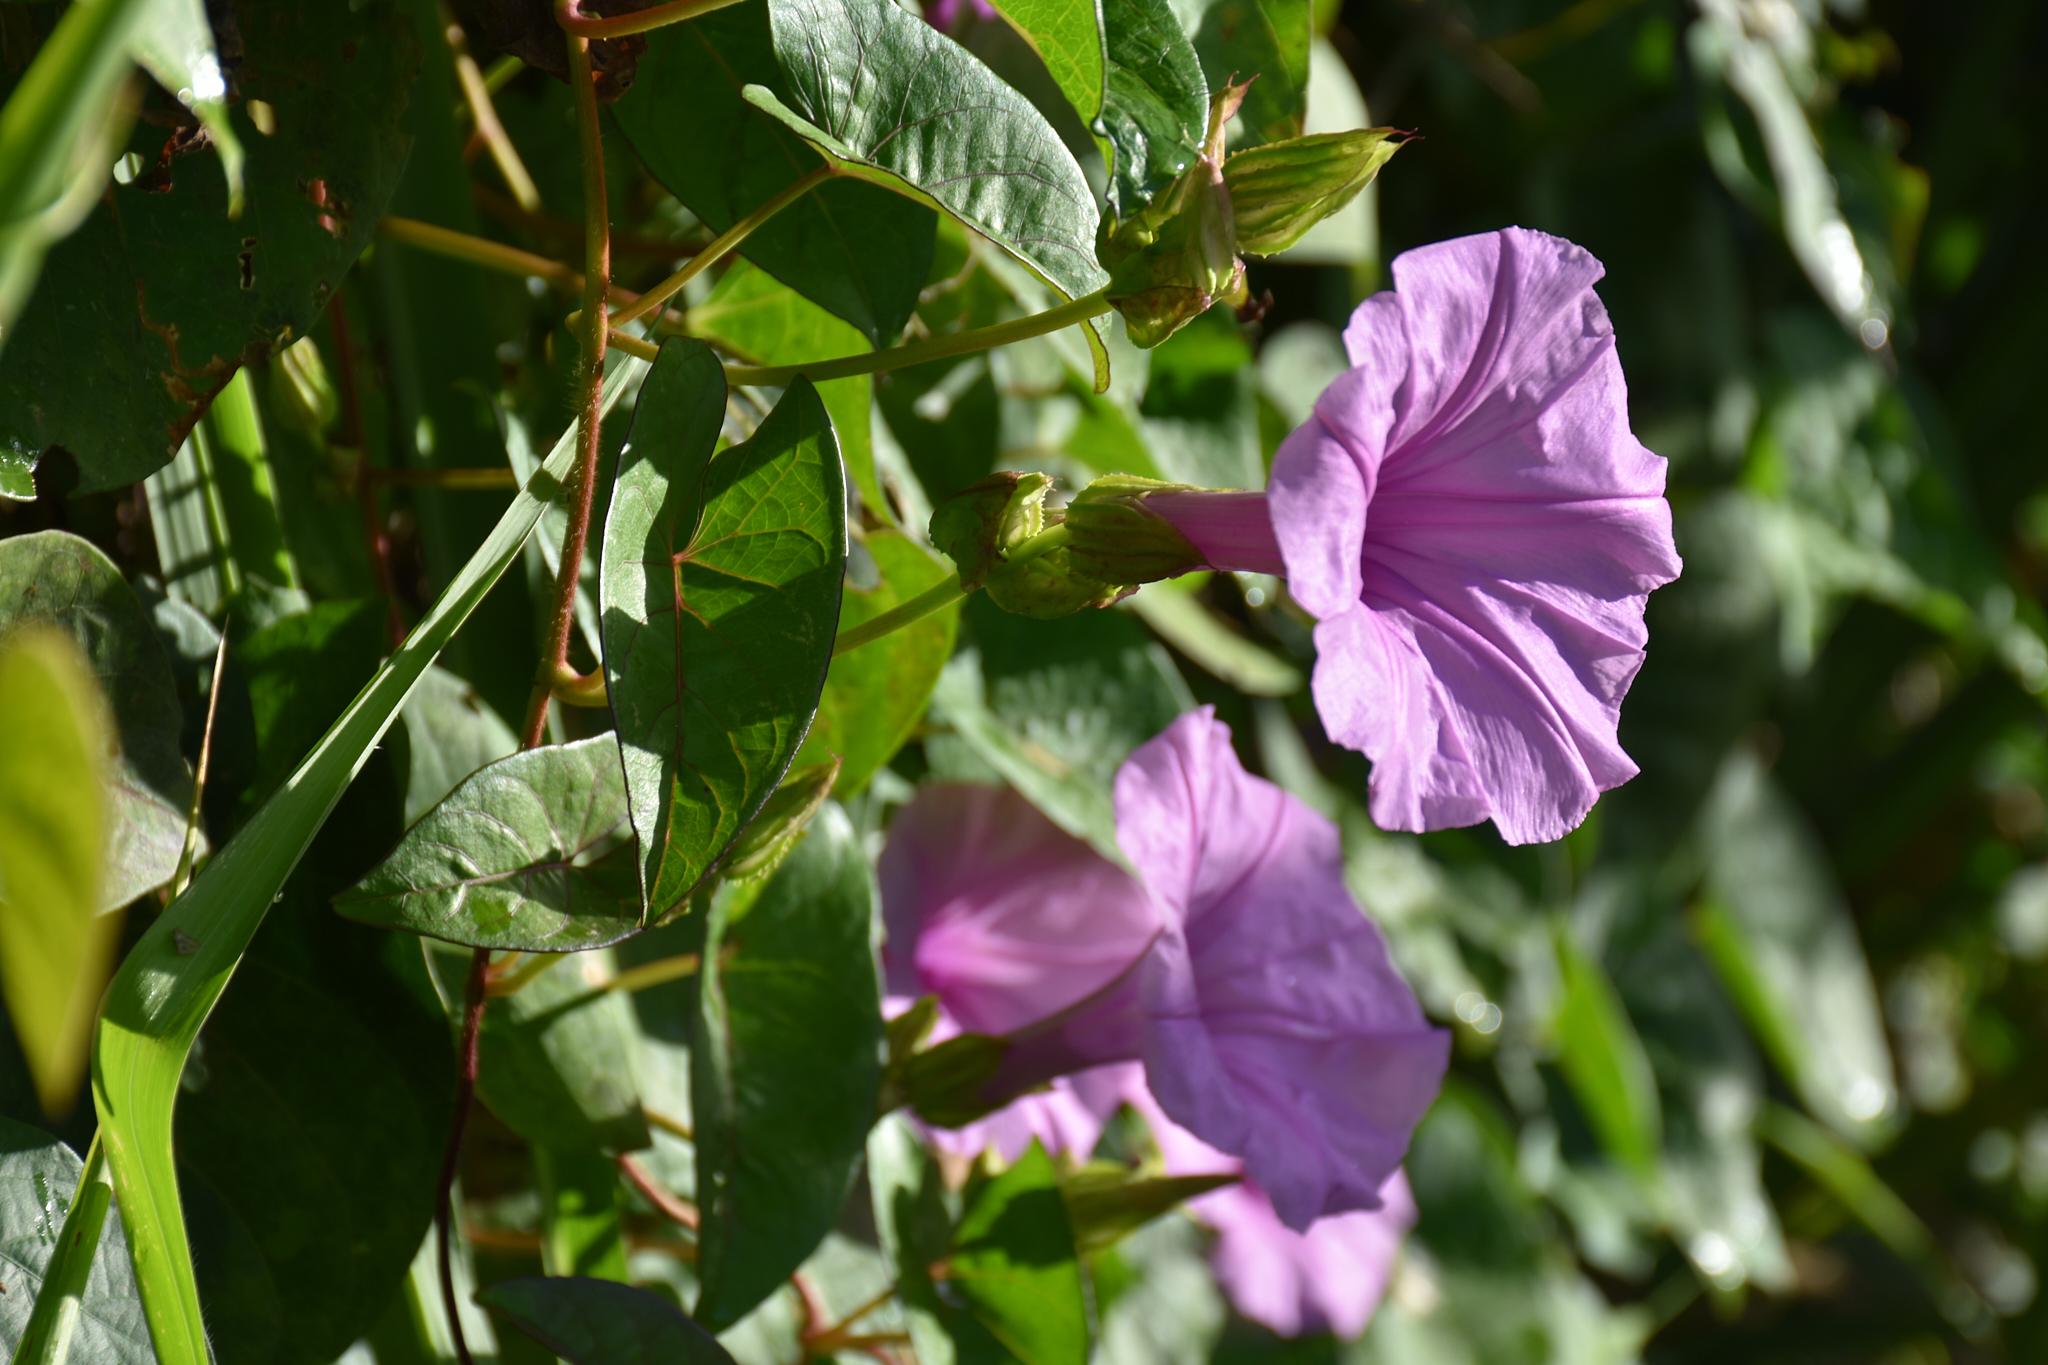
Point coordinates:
[[147, 311], [719, 589], [533, 853], [885, 97]]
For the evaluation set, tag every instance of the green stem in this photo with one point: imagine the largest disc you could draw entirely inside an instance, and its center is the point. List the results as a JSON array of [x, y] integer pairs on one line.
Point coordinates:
[[916, 609], [726, 242], [571, 18], [460, 246], [940, 597], [47, 1338], [657, 973], [896, 357]]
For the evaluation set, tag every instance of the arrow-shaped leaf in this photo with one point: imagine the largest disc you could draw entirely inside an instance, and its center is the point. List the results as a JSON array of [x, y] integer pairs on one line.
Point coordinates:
[[532, 853], [720, 594]]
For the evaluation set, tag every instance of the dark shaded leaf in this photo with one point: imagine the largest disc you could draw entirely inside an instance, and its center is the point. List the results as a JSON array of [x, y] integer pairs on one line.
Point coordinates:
[[853, 248], [147, 311], [720, 592], [785, 1065], [597, 1322], [1155, 108], [887, 98], [534, 853], [875, 695], [452, 732], [58, 578]]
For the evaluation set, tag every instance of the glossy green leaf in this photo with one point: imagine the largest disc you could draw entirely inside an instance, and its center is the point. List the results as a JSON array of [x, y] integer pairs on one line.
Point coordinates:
[[163, 296], [1239, 39], [1068, 38], [597, 1322], [875, 695], [55, 946], [720, 593], [855, 249], [556, 1058], [580, 1207], [1602, 1057], [1780, 937], [61, 579], [764, 322], [1014, 1266], [1155, 109], [451, 732], [17, 475], [534, 853], [311, 1185], [39, 1179], [887, 98], [786, 1062], [171, 978]]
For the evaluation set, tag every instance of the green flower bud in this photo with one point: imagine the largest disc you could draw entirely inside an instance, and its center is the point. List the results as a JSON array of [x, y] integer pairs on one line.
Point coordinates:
[[305, 396], [1051, 586], [1113, 538], [1281, 190], [1176, 257], [764, 843], [980, 524]]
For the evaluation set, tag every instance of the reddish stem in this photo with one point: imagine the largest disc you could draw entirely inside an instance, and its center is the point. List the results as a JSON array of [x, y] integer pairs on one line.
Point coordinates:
[[465, 1093], [672, 1208]]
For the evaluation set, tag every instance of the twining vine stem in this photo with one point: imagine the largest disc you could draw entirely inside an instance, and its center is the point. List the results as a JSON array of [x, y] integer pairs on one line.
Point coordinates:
[[571, 17], [940, 597]]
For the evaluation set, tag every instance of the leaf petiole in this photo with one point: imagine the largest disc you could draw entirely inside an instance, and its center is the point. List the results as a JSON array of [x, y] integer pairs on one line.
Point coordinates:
[[727, 241], [571, 17], [897, 357]]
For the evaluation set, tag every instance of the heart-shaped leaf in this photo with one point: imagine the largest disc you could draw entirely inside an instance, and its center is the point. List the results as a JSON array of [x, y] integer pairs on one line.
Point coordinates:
[[534, 853], [600, 1322], [1068, 38], [1155, 108], [887, 98], [720, 593], [851, 247], [785, 1065]]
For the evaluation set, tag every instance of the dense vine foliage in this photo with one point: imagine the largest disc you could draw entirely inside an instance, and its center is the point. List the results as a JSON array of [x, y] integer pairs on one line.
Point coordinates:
[[1145, 681]]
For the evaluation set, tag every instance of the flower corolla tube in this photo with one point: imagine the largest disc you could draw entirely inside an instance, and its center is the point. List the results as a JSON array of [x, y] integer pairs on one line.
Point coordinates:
[[1476, 530], [1234, 965]]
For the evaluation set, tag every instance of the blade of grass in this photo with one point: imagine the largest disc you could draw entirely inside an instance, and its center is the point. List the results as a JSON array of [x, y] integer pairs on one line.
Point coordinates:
[[170, 981]]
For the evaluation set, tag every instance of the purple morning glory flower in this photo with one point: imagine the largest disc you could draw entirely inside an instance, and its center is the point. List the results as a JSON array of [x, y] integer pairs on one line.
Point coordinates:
[[1259, 997], [1476, 530]]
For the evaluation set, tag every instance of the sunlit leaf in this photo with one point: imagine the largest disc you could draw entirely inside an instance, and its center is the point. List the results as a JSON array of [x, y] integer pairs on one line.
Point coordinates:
[[1068, 38], [720, 579], [54, 944], [1155, 108], [534, 853], [38, 1180], [883, 95]]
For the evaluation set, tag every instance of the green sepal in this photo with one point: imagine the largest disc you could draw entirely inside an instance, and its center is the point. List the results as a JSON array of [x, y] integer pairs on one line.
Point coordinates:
[[942, 1084], [979, 525], [1051, 586], [1112, 537], [1107, 1202], [1281, 190], [1175, 258]]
